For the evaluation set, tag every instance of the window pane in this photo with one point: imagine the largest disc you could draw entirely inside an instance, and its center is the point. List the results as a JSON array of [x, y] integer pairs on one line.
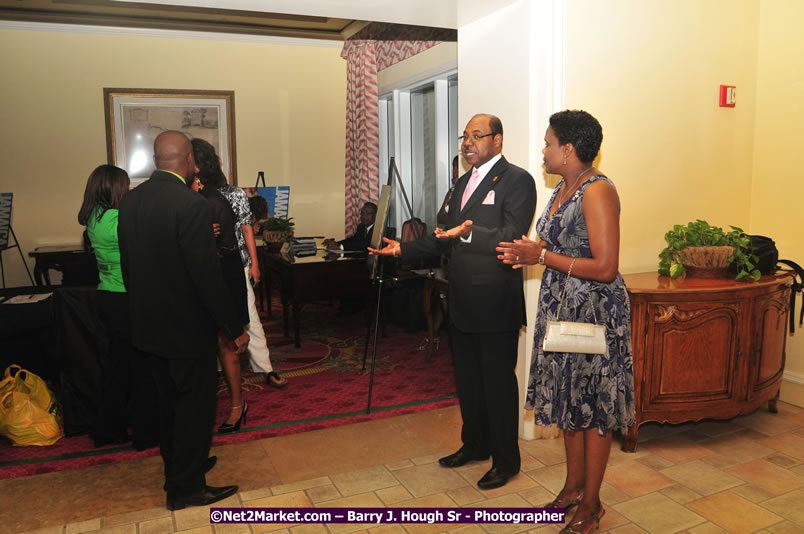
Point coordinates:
[[453, 125], [423, 156], [386, 117]]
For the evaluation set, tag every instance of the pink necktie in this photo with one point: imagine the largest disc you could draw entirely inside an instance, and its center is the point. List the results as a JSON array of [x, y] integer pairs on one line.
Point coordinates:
[[470, 187]]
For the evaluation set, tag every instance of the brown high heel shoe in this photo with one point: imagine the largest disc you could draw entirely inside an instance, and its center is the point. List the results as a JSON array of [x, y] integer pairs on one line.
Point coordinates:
[[566, 504], [582, 523], [225, 428]]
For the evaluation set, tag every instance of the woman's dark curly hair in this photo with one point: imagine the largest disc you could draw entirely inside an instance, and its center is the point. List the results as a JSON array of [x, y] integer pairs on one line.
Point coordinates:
[[259, 207], [106, 185], [579, 128], [208, 163]]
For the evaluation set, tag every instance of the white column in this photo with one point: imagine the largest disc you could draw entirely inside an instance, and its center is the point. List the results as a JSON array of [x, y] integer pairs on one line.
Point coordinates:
[[512, 63]]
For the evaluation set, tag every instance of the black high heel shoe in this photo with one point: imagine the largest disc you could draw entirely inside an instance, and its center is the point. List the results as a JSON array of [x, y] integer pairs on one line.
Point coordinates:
[[225, 428]]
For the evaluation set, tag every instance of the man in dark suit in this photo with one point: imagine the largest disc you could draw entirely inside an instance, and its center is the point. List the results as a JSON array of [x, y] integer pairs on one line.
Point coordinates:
[[179, 303], [361, 239], [493, 202]]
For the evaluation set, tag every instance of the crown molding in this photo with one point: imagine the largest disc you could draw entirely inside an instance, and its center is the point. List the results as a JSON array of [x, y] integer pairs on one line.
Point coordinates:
[[168, 34]]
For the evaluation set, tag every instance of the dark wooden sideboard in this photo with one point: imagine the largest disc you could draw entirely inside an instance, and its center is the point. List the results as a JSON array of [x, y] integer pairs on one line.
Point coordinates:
[[706, 348]]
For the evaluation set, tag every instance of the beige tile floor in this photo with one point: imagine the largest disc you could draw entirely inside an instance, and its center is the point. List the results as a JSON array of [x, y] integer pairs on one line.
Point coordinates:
[[742, 475]]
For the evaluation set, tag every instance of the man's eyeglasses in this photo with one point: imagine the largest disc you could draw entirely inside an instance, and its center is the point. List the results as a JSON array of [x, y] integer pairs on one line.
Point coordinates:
[[474, 137]]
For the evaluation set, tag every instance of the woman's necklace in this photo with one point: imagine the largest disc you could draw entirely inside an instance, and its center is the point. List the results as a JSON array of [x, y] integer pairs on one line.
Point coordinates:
[[574, 185]]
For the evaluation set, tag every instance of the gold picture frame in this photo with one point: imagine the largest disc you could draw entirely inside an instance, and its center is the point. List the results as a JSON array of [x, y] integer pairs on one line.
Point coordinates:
[[134, 117]]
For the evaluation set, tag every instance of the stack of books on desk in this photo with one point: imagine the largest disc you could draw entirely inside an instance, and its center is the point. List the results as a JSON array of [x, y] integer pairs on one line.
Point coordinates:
[[304, 246]]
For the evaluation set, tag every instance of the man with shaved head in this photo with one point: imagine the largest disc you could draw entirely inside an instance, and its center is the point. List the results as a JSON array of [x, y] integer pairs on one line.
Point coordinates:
[[179, 302]]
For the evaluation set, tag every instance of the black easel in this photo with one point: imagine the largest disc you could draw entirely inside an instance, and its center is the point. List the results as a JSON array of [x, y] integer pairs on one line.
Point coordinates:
[[17, 246], [379, 280], [260, 177], [5, 207]]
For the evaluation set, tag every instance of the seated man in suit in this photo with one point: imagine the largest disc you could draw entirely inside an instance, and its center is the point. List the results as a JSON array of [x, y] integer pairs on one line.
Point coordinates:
[[361, 239]]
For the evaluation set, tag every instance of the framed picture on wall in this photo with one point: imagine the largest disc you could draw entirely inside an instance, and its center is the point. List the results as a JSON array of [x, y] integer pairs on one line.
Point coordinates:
[[134, 117]]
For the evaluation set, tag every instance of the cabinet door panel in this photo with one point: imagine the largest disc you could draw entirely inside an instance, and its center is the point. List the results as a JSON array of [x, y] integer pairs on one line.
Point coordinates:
[[771, 335], [695, 347]]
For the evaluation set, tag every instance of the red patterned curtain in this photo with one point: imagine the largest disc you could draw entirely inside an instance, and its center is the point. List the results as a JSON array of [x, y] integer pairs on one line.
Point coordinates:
[[362, 129], [375, 48], [391, 52]]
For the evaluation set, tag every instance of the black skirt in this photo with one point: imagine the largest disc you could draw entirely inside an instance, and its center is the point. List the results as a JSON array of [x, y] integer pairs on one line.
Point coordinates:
[[235, 278]]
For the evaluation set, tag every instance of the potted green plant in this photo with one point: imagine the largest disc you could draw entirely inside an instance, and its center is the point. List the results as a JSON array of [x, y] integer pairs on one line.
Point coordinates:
[[702, 250], [276, 231]]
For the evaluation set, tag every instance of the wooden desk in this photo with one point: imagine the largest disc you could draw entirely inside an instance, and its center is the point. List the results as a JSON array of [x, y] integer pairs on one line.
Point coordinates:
[[53, 257], [319, 277], [706, 348]]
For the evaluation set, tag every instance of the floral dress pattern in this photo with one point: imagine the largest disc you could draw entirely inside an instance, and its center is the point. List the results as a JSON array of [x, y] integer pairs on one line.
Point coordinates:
[[579, 391], [239, 202]]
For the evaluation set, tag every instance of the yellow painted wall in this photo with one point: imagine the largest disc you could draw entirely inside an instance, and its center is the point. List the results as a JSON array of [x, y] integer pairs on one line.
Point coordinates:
[[289, 109], [650, 72], [777, 192]]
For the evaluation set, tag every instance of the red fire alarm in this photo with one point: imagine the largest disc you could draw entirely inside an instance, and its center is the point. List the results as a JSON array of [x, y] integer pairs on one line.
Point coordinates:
[[728, 96]]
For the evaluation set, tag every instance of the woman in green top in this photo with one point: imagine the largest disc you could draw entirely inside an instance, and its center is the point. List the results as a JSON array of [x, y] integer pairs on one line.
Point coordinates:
[[124, 377]]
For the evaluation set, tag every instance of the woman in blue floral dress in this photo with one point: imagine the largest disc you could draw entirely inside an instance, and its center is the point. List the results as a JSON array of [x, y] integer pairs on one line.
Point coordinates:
[[586, 395]]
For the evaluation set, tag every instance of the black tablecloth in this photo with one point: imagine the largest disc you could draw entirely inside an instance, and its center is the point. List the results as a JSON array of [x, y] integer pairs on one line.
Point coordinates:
[[27, 333], [81, 340], [60, 339]]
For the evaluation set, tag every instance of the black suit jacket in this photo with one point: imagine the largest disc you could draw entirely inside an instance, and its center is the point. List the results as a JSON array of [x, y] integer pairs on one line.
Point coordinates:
[[485, 295], [360, 240], [171, 270]]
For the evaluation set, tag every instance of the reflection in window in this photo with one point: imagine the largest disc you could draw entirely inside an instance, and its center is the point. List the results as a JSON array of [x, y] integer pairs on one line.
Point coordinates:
[[418, 128], [423, 156]]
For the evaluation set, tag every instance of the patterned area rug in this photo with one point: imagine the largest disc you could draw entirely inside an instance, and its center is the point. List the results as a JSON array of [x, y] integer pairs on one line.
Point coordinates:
[[327, 386]]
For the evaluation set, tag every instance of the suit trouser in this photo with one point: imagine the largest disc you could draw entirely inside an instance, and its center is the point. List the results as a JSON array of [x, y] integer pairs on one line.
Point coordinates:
[[485, 371], [187, 388], [258, 353]]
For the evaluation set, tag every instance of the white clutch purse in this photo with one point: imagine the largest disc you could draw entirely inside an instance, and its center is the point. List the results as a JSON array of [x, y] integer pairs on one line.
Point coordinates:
[[567, 336]]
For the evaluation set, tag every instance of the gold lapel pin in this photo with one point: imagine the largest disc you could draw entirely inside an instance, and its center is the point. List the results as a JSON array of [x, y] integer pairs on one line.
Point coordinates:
[[495, 179]]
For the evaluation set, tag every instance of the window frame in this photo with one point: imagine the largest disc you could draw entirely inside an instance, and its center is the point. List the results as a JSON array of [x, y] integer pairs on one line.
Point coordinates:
[[395, 125]]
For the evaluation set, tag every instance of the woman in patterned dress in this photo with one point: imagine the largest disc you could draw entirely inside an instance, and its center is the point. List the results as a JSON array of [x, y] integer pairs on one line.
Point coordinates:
[[587, 395]]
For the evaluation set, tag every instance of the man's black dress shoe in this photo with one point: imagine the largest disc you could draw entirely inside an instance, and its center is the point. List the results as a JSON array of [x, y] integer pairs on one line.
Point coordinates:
[[494, 479], [211, 461], [459, 458], [208, 495]]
